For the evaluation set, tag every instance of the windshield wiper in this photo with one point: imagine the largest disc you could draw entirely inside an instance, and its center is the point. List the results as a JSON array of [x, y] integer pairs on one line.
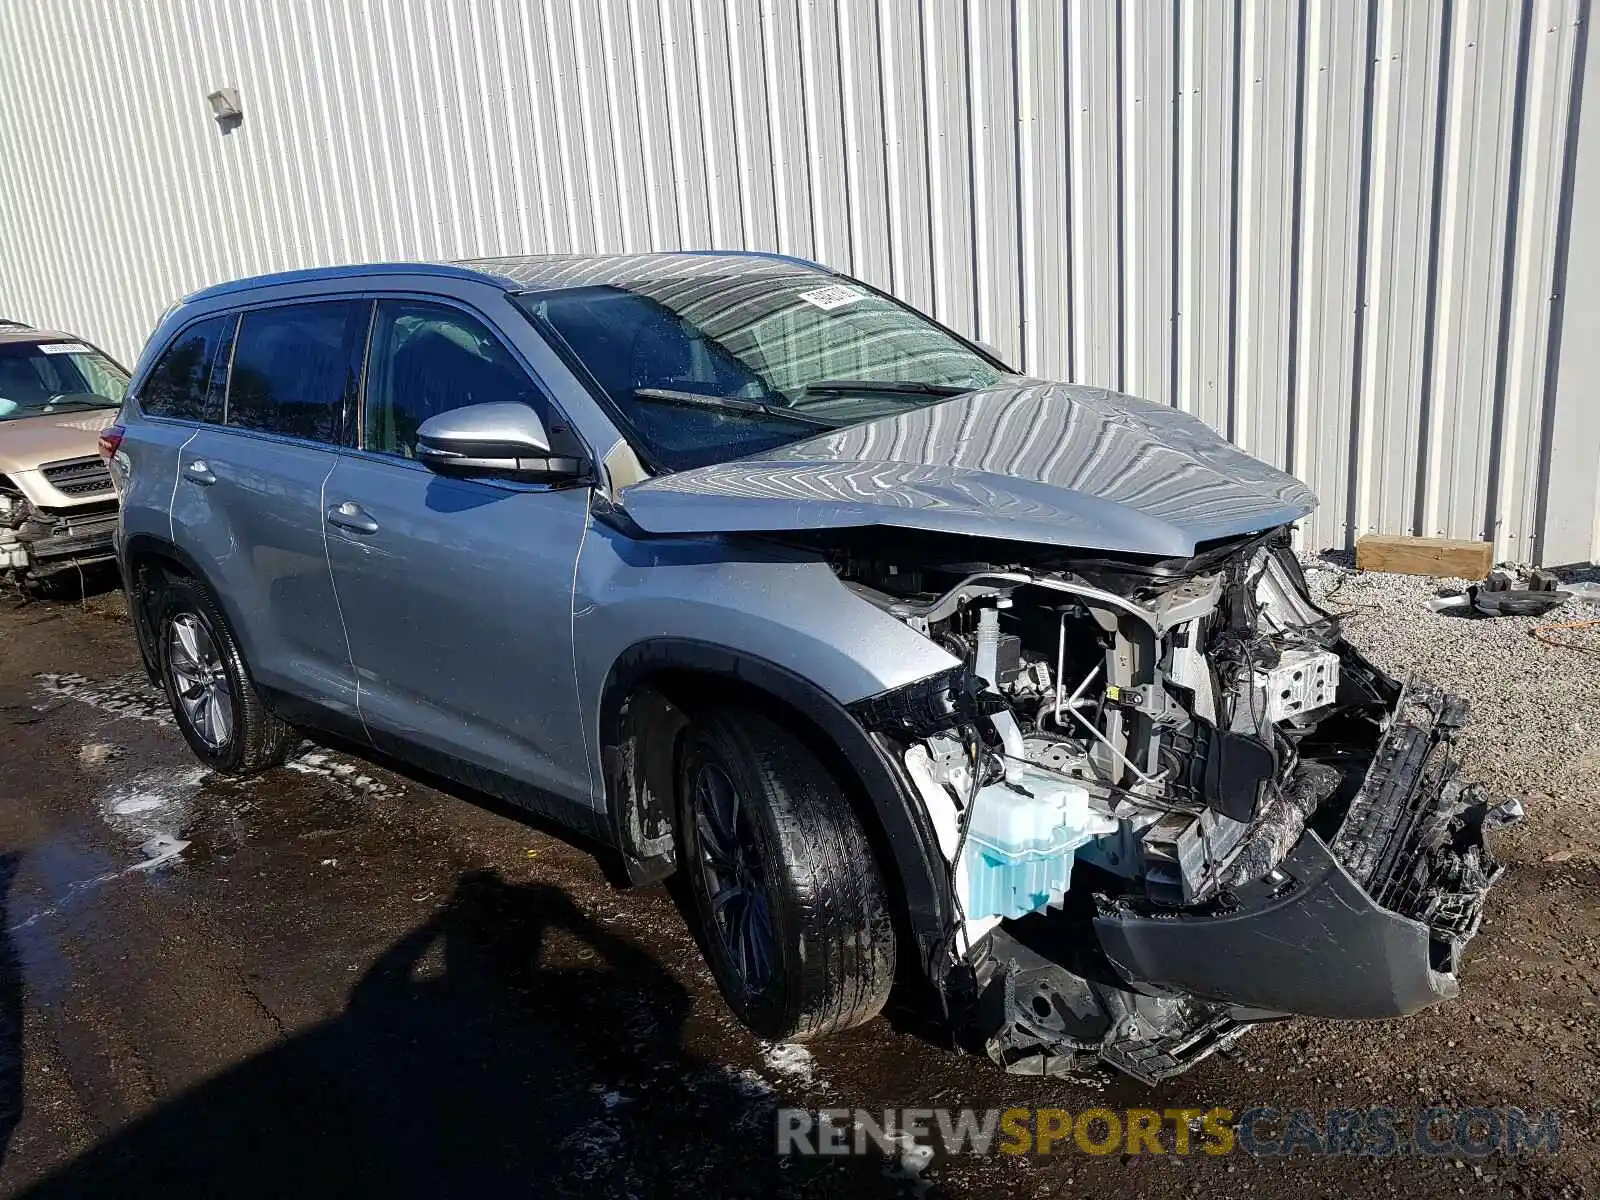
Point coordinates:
[[828, 387], [730, 404]]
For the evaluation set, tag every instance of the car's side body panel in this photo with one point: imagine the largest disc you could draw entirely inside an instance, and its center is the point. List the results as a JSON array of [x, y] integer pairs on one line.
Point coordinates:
[[760, 601], [458, 607], [250, 507]]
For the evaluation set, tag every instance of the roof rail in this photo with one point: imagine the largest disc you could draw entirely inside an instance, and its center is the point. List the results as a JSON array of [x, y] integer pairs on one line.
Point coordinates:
[[313, 274]]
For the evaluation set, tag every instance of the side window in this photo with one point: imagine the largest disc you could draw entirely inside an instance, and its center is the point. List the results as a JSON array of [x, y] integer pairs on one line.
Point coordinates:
[[184, 379], [295, 366], [427, 359]]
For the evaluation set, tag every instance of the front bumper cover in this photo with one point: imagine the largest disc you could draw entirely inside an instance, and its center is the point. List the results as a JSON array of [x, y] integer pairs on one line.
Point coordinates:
[[1368, 924], [61, 540]]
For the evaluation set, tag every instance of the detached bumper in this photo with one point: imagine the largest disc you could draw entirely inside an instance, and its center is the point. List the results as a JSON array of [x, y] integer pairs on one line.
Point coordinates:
[[1368, 925]]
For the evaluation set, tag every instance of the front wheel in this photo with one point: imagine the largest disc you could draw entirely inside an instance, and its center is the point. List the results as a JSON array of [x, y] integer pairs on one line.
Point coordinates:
[[215, 702], [788, 896]]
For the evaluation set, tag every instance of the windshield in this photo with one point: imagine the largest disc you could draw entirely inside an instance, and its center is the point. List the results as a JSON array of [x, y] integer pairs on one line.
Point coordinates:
[[39, 378], [788, 356]]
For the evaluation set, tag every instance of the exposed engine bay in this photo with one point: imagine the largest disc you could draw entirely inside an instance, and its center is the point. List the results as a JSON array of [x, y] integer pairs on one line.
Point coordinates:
[[1175, 802], [37, 542]]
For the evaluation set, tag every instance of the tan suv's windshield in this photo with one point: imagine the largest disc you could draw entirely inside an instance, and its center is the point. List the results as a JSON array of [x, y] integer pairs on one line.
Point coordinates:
[[40, 378]]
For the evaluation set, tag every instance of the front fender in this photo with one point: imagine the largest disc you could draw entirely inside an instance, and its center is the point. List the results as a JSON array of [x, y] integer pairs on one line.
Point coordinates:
[[764, 617]]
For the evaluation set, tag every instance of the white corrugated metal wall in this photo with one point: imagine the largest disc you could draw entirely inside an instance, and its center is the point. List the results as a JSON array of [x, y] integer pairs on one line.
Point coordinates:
[[1338, 230]]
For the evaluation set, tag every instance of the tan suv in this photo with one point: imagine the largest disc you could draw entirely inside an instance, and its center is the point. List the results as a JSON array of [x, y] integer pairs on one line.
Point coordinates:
[[58, 510]]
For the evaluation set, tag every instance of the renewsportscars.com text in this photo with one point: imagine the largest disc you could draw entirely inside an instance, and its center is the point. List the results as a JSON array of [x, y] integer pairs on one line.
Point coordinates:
[[1262, 1132]]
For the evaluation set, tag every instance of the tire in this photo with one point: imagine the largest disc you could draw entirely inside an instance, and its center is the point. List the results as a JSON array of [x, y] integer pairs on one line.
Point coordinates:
[[793, 862], [193, 640]]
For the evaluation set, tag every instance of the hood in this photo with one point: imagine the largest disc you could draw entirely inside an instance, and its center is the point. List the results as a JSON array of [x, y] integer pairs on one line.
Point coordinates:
[[29, 443], [1045, 463]]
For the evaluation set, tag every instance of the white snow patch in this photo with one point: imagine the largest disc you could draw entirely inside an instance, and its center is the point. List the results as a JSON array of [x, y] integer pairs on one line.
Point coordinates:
[[131, 697], [326, 766], [913, 1157], [127, 696], [137, 804], [157, 849], [758, 1096], [792, 1061], [153, 807]]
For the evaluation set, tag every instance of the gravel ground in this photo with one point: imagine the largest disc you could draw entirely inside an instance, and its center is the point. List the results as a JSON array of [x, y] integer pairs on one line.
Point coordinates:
[[342, 980], [1535, 728]]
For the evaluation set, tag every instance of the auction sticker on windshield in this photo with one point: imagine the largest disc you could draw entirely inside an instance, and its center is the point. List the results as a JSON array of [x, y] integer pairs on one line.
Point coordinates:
[[63, 348], [834, 296]]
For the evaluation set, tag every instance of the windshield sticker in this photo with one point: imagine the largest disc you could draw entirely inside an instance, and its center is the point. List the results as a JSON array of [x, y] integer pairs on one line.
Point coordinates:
[[63, 348], [834, 296]]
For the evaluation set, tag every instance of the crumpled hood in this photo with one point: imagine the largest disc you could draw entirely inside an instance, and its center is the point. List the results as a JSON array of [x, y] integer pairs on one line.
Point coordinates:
[[27, 443], [1045, 463]]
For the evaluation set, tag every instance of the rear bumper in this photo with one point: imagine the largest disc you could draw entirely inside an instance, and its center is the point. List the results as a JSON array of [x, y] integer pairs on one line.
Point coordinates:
[[1369, 923]]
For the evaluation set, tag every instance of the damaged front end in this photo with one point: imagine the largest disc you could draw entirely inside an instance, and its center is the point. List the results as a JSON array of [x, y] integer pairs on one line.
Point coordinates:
[[38, 541], [1175, 802]]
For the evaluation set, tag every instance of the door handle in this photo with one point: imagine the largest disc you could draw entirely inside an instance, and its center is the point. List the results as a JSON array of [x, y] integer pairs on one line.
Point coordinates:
[[199, 471], [351, 516]]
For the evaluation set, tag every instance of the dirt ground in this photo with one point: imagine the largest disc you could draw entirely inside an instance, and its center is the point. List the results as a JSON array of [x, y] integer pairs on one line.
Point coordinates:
[[348, 980]]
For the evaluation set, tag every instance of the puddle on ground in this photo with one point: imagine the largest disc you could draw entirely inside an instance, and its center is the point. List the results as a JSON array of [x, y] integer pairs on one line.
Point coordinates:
[[58, 876]]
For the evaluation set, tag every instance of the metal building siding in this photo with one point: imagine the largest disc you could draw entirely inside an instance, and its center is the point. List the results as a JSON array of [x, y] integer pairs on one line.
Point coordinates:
[[1337, 230]]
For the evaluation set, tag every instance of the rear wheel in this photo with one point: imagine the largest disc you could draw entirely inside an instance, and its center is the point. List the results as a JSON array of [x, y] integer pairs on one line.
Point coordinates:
[[788, 896], [218, 710]]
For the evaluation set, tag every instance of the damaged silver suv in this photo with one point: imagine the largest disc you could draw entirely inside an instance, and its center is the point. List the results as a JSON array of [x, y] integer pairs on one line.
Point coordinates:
[[920, 671]]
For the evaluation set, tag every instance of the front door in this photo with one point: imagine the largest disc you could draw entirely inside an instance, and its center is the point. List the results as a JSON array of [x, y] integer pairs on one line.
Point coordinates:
[[456, 593]]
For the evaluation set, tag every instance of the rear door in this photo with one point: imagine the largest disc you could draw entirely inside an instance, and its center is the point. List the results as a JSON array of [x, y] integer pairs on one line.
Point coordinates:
[[249, 497], [457, 593], [182, 392]]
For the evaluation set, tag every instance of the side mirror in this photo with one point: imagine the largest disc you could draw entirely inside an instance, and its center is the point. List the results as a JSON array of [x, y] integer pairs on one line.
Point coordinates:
[[505, 440]]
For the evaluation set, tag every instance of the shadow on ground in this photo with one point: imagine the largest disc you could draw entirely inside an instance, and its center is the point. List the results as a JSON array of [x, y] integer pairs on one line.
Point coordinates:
[[10, 1015], [71, 586], [509, 1045]]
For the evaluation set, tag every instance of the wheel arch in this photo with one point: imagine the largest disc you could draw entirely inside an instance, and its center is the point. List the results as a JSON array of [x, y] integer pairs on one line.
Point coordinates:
[[142, 553], [640, 717]]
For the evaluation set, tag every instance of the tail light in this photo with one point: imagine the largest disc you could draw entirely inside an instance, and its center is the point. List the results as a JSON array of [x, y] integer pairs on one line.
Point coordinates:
[[110, 442]]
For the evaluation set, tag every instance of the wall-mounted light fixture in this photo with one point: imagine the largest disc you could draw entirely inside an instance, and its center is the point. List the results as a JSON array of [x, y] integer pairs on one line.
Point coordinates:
[[225, 108]]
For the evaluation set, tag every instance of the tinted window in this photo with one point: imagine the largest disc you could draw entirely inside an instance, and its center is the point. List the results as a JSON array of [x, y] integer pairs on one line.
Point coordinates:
[[294, 366], [181, 381], [427, 359]]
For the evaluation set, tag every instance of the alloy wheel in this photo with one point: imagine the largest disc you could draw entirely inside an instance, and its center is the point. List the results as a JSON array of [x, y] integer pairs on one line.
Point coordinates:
[[734, 875], [200, 680]]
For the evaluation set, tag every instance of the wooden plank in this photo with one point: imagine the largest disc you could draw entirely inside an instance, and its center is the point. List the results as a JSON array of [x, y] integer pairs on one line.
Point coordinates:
[[1455, 557]]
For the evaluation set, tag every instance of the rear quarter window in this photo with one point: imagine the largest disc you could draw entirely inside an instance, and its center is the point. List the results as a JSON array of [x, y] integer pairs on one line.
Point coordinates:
[[295, 368], [186, 382]]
